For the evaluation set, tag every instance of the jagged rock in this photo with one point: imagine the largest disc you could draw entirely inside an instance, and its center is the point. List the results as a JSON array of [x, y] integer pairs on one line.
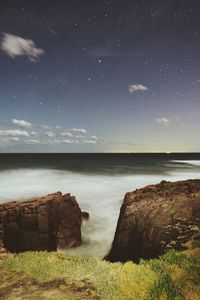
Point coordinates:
[[46, 223], [155, 219], [85, 215]]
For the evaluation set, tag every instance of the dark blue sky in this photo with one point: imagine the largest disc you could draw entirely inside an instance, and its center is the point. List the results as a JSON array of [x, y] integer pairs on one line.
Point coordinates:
[[99, 76]]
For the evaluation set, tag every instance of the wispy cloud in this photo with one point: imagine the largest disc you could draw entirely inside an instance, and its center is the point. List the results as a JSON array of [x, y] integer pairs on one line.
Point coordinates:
[[67, 141], [8, 140], [13, 133], [106, 141], [63, 141], [94, 137], [43, 135], [50, 134], [32, 142], [137, 88], [21, 123], [79, 136], [163, 121], [44, 126], [89, 141], [81, 130], [14, 45], [66, 134], [34, 133]]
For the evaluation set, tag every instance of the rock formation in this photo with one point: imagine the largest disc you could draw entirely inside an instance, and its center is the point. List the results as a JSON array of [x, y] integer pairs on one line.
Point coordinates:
[[157, 218], [85, 215], [45, 223]]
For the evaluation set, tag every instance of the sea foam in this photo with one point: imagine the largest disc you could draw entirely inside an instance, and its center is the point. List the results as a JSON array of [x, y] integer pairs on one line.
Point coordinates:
[[100, 195]]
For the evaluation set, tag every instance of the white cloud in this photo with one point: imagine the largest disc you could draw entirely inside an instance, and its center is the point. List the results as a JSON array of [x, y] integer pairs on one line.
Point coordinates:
[[89, 141], [50, 133], [32, 142], [63, 141], [14, 45], [44, 135], [79, 137], [34, 133], [137, 88], [16, 139], [163, 121], [66, 134], [13, 133], [81, 130], [67, 141], [8, 140], [57, 141], [94, 137], [21, 123]]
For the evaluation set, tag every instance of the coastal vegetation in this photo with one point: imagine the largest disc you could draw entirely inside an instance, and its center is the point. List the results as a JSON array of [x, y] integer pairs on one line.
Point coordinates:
[[51, 275]]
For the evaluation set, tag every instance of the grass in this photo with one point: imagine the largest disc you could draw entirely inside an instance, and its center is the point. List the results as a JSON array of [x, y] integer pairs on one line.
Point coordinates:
[[43, 275]]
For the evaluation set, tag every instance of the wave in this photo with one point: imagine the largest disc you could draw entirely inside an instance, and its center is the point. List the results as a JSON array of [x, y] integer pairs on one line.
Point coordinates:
[[100, 195], [187, 162]]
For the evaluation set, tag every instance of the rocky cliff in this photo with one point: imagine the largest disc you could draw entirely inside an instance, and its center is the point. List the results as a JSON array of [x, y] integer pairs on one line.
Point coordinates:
[[45, 223], [157, 218]]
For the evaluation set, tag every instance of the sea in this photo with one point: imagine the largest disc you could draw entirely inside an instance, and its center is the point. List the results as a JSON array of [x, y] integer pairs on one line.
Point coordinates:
[[99, 182]]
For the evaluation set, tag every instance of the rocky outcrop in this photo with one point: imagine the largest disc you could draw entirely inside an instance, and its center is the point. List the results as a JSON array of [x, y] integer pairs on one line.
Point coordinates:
[[45, 223], [157, 218], [85, 215]]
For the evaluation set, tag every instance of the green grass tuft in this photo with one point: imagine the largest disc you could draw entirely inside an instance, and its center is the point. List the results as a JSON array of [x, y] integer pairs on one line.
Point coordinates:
[[172, 276]]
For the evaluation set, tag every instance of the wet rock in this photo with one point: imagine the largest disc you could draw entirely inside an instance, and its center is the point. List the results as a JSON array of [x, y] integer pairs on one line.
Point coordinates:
[[85, 215]]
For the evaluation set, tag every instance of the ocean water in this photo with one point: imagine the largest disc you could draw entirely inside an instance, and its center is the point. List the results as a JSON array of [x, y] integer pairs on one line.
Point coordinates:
[[99, 182]]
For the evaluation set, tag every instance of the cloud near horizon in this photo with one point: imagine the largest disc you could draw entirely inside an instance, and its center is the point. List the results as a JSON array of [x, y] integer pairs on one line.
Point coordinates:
[[13, 133], [40, 135], [37, 134], [31, 142], [66, 134], [14, 45], [89, 141], [50, 134], [81, 130], [21, 123]]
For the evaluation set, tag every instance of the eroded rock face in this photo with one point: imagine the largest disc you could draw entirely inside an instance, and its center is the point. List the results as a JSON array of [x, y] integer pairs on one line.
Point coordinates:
[[46, 223], [155, 219]]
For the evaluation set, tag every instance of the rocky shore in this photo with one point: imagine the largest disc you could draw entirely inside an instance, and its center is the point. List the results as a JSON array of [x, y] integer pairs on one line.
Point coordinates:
[[152, 220], [157, 218], [46, 223]]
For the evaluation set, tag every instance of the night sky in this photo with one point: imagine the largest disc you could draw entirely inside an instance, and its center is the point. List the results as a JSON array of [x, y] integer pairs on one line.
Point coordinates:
[[99, 76]]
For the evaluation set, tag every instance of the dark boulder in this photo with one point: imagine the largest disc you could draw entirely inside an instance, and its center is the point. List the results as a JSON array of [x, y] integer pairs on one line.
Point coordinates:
[[85, 215], [46, 223], [155, 219]]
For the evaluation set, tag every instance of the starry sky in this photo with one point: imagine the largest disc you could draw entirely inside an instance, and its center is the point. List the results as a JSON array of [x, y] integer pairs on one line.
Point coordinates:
[[99, 76]]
